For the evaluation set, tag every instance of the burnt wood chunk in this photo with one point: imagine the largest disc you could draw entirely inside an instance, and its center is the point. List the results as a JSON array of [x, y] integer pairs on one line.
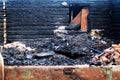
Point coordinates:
[[84, 19]]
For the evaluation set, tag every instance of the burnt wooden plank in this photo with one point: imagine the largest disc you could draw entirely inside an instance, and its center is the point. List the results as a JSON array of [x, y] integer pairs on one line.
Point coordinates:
[[34, 24], [25, 15], [30, 32], [28, 36], [57, 12], [56, 5], [37, 9], [39, 20], [32, 27]]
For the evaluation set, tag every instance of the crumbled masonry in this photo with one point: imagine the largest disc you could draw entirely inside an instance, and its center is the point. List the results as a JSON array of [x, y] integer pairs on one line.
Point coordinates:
[[109, 56]]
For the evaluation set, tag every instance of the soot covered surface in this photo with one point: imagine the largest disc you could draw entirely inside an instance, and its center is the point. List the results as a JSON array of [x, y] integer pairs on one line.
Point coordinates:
[[69, 50]]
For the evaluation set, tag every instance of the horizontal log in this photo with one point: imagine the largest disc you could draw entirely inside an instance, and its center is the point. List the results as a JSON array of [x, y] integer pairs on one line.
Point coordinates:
[[30, 32], [99, 16], [9, 37], [99, 25], [107, 20], [100, 13], [38, 24], [34, 5], [44, 11], [39, 15], [95, 9], [39, 19], [31, 27], [100, 3], [44, 21], [10, 9], [12, 40], [37, 8]]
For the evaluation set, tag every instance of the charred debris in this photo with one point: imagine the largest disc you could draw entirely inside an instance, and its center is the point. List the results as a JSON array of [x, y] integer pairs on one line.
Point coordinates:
[[62, 49]]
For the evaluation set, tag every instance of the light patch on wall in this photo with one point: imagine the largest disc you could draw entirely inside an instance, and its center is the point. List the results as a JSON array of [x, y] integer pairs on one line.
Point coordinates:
[[64, 3]]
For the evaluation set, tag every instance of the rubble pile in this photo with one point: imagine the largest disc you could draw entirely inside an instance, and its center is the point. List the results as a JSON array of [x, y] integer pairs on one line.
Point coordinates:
[[76, 44], [61, 50], [110, 56], [17, 53]]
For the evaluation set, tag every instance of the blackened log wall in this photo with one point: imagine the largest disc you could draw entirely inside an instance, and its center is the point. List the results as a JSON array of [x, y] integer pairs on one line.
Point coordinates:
[[115, 29], [31, 19]]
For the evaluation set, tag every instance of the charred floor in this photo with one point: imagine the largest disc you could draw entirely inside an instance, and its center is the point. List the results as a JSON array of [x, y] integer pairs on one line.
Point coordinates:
[[75, 49]]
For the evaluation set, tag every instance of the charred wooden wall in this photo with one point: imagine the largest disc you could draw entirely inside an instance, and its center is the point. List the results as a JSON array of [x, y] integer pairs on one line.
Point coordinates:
[[115, 29], [30, 19]]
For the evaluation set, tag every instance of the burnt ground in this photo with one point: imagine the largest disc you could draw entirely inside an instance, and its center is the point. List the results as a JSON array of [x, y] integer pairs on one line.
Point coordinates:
[[69, 50]]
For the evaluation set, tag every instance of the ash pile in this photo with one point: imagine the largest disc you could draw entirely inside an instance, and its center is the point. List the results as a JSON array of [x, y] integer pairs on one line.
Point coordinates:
[[63, 49]]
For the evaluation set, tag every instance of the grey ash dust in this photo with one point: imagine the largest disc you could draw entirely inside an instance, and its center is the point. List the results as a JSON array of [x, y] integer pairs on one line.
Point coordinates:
[[65, 50]]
